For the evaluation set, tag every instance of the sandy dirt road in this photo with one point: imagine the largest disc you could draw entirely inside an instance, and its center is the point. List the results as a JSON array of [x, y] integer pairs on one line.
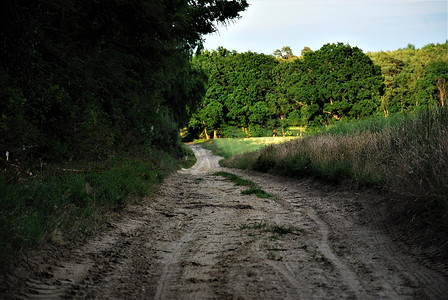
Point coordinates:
[[200, 238]]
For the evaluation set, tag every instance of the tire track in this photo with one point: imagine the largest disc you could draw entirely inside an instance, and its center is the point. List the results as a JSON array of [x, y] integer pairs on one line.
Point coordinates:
[[172, 260], [347, 275], [404, 275], [432, 283], [197, 239]]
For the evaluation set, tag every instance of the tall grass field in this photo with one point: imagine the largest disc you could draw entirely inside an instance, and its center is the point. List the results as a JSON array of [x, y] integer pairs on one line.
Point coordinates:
[[405, 154], [228, 147]]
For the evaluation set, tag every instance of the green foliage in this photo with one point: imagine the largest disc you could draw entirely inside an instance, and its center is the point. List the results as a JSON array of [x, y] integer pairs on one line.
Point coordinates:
[[253, 188], [73, 203], [249, 94], [235, 97], [411, 76], [85, 80], [263, 96], [337, 81]]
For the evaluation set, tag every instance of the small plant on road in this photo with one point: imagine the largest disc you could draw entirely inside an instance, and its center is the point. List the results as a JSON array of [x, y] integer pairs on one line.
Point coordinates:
[[273, 228], [275, 234], [253, 188]]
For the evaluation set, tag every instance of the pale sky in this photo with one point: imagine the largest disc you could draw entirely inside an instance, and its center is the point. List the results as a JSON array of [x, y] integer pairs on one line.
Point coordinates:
[[371, 25]]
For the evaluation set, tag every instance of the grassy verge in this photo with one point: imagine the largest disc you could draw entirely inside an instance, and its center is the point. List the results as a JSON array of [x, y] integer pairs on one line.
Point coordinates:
[[253, 188], [230, 147], [406, 154], [61, 205]]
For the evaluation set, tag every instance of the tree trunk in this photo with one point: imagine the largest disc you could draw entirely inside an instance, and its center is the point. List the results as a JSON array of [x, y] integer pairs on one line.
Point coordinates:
[[283, 129], [215, 134], [207, 136], [443, 90]]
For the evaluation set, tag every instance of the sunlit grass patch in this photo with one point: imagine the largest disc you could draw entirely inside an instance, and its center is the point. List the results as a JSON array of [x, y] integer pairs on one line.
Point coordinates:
[[230, 147]]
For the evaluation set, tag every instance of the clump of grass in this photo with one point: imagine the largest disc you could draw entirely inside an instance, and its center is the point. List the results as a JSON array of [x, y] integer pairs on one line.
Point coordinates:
[[406, 154], [236, 179], [272, 228], [276, 232], [253, 188], [260, 225], [273, 256], [258, 192]]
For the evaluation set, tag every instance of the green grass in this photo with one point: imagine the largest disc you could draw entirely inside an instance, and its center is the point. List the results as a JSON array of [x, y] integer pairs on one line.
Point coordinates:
[[257, 192], [71, 203], [272, 228], [231, 147], [253, 188]]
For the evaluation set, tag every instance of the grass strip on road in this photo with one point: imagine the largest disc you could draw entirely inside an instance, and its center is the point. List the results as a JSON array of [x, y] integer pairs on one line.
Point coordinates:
[[253, 188]]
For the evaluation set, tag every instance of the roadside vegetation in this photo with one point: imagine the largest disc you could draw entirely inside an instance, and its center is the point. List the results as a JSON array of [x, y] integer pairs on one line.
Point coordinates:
[[228, 147], [67, 203], [406, 154], [86, 89]]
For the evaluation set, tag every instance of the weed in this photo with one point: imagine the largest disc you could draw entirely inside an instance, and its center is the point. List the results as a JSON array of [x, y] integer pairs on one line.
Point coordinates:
[[272, 256], [258, 192], [253, 187], [273, 228]]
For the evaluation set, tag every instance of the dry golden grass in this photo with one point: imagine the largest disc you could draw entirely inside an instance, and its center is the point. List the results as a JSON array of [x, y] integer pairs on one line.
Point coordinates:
[[409, 158]]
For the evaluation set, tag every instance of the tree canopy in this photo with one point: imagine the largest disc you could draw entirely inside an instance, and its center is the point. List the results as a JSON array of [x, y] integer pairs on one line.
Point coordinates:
[[87, 78], [260, 94], [250, 94], [411, 77]]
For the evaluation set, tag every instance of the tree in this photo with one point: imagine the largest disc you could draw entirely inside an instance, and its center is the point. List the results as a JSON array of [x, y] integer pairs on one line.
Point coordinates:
[[338, 81], [284, 54], [238, 84], [305, 50], [405, 71], [97, 77], [433, 88]]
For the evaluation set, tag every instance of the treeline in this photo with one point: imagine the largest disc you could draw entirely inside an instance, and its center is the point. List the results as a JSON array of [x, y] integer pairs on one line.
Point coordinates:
[[250, 94], [84, 79]]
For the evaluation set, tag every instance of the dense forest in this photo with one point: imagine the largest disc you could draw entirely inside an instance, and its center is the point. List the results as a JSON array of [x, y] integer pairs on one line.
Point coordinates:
[[84, 79], [252, 94]]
